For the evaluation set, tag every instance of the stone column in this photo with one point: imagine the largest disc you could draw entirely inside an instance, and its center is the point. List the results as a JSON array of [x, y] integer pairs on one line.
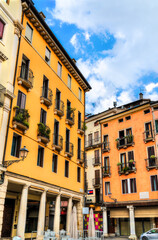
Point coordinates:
[[57, 215], [132, 223], [3, 191], [69, 212], [80, 215], [22, 213], [41, 216], [105, 222]]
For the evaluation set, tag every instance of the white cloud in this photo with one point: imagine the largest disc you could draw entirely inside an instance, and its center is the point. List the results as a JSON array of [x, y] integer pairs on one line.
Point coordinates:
[[151, 86], [135, 53], [87, 36], [75, 43]]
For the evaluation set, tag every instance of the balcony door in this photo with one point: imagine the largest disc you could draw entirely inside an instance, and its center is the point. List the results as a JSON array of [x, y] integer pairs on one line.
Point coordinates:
[[25, 68], [68, 109], [79, 120], [45, 87], [21, 100], [97, 176], [96, 156], [67, 140], [151, 152], [56, 132], [106, 164], [148, 130], [43, 116], [90, 139], [121, 137], [97, 195], [58, 97], [79, 148], [123, 159], [105, 145]]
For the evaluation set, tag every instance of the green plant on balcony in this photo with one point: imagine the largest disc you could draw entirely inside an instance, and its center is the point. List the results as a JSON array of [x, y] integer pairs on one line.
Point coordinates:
[[131, 161], [119, 164], [129, 138], [43, 130], [125, 169], [21, 116], [71, 110], [84, 127], [152, 156]]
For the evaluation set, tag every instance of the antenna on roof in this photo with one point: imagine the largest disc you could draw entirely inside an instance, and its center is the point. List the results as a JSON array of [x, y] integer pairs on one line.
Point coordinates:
[[142, 90]]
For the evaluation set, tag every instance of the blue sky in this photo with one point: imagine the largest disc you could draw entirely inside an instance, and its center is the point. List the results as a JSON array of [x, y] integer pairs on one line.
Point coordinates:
[[114, 42]]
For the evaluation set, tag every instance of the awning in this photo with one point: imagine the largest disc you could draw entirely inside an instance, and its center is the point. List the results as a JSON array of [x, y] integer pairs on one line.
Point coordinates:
[[146, 212], [119, 213]]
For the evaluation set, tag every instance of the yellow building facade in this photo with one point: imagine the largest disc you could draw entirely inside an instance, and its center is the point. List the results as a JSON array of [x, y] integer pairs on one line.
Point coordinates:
[[47, 117]]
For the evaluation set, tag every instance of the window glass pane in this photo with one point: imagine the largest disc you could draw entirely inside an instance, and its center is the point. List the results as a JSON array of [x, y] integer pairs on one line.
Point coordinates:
[[29, 32], [69, 81], [80, 94], [59, 69], [47, 55], [1, 28], [13, 146], [156, 125]]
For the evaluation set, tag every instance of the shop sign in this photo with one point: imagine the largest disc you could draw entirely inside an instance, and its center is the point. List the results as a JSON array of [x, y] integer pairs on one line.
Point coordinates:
[[90, 192], [144, 195]]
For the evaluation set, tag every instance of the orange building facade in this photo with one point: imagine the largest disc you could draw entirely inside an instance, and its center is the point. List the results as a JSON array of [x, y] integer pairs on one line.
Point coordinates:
[[130, 169]]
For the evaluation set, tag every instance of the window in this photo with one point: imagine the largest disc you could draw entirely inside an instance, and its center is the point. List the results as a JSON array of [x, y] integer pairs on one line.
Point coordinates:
[[69, 81], [105, 125], [2, 24], [128, 117], [96, 136], [78, 174], [16, 144], [130, 155], [67, 140], [96, 156], [154, 183], [47, 55], [66, 168], [123, 159], [106, 164], [79, 120], [43, 116], [156, 125], [129, 186], [90, 139], [107, 188], [120, 120], [79, 149], [59, 69], [80, 94], [45, 87], [21, 100], [40, 156], [151, 156], [7, 1], [148, 130], [147, 111], [54, 163], [24, 74], [29, 32]]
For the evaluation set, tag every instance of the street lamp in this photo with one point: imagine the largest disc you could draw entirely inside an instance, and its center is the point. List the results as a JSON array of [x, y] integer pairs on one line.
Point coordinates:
[[23, 154], [114, 199]]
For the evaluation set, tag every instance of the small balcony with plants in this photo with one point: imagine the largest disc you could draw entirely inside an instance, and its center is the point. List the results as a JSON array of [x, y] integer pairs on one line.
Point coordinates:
[[96, 161], [46, 96], [57, 142], [59, 108], [43, 134], [25, 77], [69, 149], [149, 136], [97, 182], [106, 171], [151, 162], [70, 116], [21, 119], [105, 146], [81, 128], [125, 142], [127, 168], [80, 156]]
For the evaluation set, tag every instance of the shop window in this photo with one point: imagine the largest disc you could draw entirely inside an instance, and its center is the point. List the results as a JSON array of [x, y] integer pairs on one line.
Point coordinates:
[[32, 216], [107, 188], [80, 94], [2, 24], [16, 144], [40, 156], [154, 183], [69, 81], [47, 55], [78, 174], [54, 163], [66, 168], [29, 32], [59, 69]]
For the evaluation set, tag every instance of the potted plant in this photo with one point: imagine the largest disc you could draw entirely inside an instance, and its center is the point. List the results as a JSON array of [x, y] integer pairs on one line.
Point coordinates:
[[152, 156], [119, 163], [125, 169], [43, 130], [129, 138], [21, 116]]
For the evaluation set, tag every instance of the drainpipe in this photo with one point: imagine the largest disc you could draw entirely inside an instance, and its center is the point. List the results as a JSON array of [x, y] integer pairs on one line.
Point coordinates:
[[13, 85]]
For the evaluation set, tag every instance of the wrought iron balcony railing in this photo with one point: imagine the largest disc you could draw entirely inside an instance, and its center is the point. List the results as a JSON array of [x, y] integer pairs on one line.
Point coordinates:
[[25, 77], [80, 156], [21, 119], [57, 142], [151, 162], [81, 127], [97, 182], [96, 161], [126, 168], [69, 147], [46, 96], [43, 133], [92, 143], [125, 142], [70, 117], [106, 146], [106, 171], [59, 108], [149, 136]]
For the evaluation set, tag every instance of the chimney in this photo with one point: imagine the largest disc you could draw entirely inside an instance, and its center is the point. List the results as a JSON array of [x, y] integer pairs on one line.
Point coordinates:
[[42, 15], [115, 104], [140, 96], [74, 60]]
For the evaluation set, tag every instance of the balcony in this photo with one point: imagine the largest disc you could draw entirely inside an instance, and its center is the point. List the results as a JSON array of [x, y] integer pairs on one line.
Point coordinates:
[[106, 171], [94, 199], [57, 142], [93, 143], [59, 108], [151, 162], [96, 182], [149, 136], [46, 96], [96, 161], [127, 168], [125, 142], [105, 146], [80, 156], [43, 134], [25, 77], [70, 117], [81, 128], [20, 119], [69, 147]]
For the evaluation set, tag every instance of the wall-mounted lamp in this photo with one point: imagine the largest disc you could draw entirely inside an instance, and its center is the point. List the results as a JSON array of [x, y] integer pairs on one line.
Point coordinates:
[[114, 199]]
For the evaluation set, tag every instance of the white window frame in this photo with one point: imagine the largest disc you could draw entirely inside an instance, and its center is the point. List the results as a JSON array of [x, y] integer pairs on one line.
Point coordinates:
[[69, 80], [59, 71], [30, 28], [128, 186], [47, 55]]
